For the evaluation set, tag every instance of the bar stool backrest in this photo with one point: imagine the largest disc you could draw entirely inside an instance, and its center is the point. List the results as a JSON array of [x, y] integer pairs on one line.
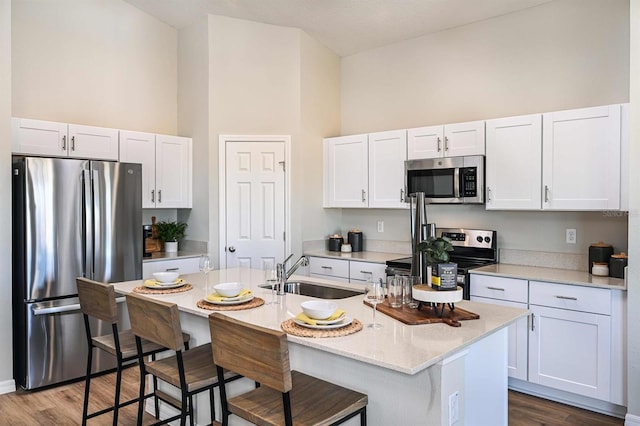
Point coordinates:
[[259, 353], [156, 321], [97, 300]]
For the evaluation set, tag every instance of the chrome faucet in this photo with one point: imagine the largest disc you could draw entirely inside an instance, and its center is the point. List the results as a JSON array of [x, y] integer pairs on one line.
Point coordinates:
[[283, 275]]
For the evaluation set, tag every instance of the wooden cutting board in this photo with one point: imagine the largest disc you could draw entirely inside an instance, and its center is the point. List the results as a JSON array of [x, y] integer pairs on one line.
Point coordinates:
[[426, 314]]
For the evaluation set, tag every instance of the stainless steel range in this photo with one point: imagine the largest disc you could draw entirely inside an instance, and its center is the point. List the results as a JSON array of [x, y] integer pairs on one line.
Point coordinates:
[[472, 248]]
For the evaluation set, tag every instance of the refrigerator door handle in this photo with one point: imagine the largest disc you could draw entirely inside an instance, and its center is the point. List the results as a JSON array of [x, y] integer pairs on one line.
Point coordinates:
[[65, 308], [87, 214]]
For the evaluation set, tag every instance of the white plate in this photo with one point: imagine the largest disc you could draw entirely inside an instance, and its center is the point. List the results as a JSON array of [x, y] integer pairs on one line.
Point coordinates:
[[233, 301], [334, 321], [160, 286], [345, 321]]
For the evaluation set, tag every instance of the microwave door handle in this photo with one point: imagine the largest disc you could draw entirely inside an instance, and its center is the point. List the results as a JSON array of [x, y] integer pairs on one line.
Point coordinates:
[[456, 182]]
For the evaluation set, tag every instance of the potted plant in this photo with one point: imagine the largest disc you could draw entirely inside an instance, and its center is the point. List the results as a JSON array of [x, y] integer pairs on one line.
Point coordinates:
[[170, 233], [436, 251]]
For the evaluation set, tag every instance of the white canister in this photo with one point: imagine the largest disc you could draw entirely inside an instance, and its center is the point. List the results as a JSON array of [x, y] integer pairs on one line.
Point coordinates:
[[600, 269], [345, 248]]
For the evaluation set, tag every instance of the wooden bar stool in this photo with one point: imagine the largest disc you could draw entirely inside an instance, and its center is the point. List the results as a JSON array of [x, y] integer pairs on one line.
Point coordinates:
[[192, 371], [98, 300], [285, 397]]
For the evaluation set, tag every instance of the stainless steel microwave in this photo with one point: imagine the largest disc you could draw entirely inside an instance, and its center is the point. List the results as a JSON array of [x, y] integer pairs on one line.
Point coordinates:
[[452, 180]]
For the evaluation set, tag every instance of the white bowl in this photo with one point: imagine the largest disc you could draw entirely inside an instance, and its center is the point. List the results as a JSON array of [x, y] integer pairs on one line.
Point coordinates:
[[165, 277], [318, 309], [228, 289]]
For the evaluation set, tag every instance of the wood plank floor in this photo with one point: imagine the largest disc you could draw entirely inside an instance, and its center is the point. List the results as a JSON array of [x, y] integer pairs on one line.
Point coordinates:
[[63, 406]]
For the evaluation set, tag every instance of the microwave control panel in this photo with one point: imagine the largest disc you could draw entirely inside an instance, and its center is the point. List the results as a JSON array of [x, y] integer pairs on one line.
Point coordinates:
[[468, 182]]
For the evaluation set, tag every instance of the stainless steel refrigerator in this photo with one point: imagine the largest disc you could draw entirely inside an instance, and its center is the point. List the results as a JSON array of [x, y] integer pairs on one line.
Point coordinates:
[[71, 218]]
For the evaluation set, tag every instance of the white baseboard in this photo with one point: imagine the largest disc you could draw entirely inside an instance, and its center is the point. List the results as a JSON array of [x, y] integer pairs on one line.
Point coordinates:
[[631, 420], [7, 386]]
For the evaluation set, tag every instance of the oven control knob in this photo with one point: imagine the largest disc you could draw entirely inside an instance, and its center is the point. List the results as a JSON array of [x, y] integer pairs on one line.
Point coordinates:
[[479, 238], [487, 240]]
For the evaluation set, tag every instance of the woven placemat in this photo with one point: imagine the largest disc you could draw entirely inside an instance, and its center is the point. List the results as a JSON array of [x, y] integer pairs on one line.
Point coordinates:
[[146, 290], [253, 303], [291, 327]]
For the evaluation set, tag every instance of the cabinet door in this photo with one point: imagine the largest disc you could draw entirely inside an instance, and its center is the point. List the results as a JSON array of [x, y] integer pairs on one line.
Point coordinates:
[[581, 159], [188, 265], [363, 271], [464, 139], [173, 172], [346, 171], [425, 142], [328, 268], [514, 163], [387, 154], [625, 135], [518, 335], [138, 147], [570, 351], [93, 142], [39, 137]]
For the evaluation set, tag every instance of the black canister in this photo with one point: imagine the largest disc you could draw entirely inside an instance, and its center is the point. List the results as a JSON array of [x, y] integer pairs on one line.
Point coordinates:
[[617, 263], [335, 242], [355, 239], [600, 252]]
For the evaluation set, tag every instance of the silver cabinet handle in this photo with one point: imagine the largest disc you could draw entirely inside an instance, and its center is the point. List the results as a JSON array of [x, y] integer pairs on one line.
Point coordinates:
[[64, 143], [446, 143], [153, 195], [73, 143], [402, 195], [533, 320], [232, 249], [364, 196], [176, 269], [439, 145], [546, 194], [159, 195], [567, 297], [366, 272], [326, 267], [496, 288], [488, 194]]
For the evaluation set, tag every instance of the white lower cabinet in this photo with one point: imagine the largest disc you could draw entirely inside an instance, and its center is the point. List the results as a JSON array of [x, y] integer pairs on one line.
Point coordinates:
[[345, 270], [570, 338], [187, 265]]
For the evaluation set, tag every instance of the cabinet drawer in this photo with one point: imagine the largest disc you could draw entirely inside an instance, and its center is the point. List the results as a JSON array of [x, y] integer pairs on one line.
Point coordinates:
[[187, 265], [331, 267], [499, 288], [362, 271], [573, 297]]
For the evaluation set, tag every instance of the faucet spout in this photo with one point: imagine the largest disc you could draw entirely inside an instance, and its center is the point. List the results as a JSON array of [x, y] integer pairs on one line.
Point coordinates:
[[284, 274], [302, 261]]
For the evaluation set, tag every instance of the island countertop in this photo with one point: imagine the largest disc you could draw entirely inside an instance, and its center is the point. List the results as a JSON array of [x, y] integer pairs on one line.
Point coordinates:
[[399, 347]]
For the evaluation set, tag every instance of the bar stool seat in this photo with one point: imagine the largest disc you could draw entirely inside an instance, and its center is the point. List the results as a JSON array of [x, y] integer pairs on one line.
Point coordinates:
[[285, 397], [97, 300]]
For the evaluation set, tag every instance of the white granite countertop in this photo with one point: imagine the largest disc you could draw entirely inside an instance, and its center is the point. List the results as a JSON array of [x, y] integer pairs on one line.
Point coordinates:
[[403, 348], [562, 276], [365, 256]]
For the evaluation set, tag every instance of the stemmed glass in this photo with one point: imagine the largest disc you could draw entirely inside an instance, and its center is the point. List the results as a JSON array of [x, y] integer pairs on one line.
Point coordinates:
[[271, 278], [205, 267], [374, 294]]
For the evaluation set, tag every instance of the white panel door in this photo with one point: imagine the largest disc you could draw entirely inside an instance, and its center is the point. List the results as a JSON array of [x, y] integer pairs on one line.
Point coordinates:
[[581, 159], [255, 203], [173, 172], [425, 142], [514, 163], [139, 147], [93, 142], [387, 154], [39, 137], [464, 139]]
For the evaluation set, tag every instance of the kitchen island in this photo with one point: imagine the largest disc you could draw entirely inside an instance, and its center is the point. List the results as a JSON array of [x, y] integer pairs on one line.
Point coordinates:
[[411, 373]]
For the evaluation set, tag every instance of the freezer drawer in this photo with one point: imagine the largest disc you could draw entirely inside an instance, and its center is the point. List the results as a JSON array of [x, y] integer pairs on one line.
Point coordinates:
[[54, 349]]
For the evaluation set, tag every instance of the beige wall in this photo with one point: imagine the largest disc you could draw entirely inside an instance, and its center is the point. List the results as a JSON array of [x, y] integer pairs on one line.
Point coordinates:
[[560, 55], [102, 63], [6, 355], [633, 295]]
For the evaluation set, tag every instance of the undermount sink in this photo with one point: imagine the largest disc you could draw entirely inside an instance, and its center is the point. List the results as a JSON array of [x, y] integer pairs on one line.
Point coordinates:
[[316, 290]]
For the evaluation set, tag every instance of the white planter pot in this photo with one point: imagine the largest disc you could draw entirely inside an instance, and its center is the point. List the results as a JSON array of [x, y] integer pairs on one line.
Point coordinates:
[[171, 246]]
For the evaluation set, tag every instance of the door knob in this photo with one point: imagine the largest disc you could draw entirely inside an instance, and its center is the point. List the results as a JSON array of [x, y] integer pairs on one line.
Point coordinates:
[[232, 249]]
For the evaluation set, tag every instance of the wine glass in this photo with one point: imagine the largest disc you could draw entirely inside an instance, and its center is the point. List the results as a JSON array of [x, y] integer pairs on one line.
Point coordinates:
[[374, 294], [271, 278], [205, 267]]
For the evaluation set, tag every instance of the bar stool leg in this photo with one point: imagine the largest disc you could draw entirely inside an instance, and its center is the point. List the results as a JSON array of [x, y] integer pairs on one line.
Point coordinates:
[[116, 403], [87, 383]]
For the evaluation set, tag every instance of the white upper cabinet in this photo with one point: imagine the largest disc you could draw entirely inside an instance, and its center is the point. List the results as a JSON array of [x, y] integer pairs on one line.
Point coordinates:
[[346, 168], [387, 154], [514, 163], [624, 157], [581, 159], [49, 138], [450, 140], [166, 167]]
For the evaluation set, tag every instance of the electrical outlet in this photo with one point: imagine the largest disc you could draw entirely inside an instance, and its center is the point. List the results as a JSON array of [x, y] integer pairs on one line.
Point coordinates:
[[571, 236], [380, 226], [453, 408]]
